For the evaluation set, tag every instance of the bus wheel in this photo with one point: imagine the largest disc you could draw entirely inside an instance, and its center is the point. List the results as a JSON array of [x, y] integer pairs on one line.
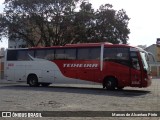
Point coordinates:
[[110, 83], [45, 84], [120, 88], [33, 81]]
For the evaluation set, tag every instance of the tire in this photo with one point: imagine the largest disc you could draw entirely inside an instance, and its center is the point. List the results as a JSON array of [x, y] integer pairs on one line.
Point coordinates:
[[120, 88], [110, 83], [33, 81], [45, 84]]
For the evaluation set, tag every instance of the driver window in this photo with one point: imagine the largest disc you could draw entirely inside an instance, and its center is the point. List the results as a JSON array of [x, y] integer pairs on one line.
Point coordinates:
[[135, 61]]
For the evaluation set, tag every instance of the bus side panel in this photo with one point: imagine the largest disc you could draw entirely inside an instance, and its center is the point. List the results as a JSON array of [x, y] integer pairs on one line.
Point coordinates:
[[44, 70], [16, 71], [20, 71], [48, 75], [121, 72], [10, 75], [80, 69], [10, 71]]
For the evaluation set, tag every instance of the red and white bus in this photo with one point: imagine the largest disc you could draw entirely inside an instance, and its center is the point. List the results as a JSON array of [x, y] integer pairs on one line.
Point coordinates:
[[113, 66]]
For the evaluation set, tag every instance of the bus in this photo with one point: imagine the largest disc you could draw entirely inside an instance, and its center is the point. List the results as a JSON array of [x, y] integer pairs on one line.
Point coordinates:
[[112, 65]]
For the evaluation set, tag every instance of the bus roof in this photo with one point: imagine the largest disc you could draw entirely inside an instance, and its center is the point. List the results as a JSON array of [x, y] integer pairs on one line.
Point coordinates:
[[88, 44], [107, 44]]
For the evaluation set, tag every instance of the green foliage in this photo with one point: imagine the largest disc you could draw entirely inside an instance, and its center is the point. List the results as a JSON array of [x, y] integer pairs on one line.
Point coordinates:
[[58, 22], [112, 25]]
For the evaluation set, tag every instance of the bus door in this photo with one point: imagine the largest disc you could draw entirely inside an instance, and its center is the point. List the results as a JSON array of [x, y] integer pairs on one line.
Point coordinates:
[[136, 73]]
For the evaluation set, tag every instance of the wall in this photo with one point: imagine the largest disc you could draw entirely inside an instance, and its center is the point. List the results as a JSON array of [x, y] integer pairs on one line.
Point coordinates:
[[2, 63], [1, 69], [155, 69], [158, 53], [152, 49]]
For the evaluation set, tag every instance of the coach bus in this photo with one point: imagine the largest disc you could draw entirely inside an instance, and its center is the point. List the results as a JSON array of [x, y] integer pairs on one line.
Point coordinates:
[[113, 66]]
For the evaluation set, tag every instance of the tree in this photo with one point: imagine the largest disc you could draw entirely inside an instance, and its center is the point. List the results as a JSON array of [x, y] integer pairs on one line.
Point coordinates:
[[111, 25], [84, 23], [57, 22], [39, 21]]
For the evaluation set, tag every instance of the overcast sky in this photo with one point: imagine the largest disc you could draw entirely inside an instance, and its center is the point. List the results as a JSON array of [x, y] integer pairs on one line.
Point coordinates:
[[144, 17]]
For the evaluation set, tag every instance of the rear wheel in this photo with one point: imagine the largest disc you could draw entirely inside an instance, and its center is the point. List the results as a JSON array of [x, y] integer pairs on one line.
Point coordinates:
[[33, 81], [110, 83]]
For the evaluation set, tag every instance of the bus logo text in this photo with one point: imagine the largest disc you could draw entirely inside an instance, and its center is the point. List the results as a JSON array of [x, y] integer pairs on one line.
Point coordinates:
[[81, 65]]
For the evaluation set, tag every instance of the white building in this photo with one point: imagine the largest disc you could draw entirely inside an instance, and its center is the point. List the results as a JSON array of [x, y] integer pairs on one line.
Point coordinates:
[[155, 65], [16, 44]]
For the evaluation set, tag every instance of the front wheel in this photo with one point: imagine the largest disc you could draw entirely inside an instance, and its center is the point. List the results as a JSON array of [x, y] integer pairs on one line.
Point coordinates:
[[33, 81], [110, 83]]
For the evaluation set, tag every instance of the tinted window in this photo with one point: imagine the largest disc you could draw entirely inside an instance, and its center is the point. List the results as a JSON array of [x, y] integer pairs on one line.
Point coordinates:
[[88, 53], [59, 54], [116, 53], [95, 53], [46, 54], [40, 54], [83, 54], [22, 55], [30, 52], [119, 55], [135, 61], [49, 54], [70, 54], [11, 55]]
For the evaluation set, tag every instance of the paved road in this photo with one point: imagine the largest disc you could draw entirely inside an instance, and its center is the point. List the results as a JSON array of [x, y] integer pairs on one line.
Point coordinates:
[[21, 97]]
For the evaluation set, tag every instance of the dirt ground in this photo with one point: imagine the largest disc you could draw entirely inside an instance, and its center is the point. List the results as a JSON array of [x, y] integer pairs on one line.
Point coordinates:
[[21, 97]]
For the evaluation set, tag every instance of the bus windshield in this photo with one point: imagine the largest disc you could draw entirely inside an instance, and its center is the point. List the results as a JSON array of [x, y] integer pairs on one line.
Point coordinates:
[[144, 60]]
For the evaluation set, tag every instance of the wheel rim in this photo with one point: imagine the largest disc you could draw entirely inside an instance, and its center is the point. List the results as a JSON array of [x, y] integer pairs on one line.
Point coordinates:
[[109, 84], [32, 82]]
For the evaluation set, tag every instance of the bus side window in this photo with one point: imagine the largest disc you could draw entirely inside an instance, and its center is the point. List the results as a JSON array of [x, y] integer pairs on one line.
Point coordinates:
[[83, 54], [117, 55], [50, 54], [70, 54], [95, 53], [110, 53], [30, 54], [40, 53], [59, 54], [22, 55], [135, 61], [11, 55]]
